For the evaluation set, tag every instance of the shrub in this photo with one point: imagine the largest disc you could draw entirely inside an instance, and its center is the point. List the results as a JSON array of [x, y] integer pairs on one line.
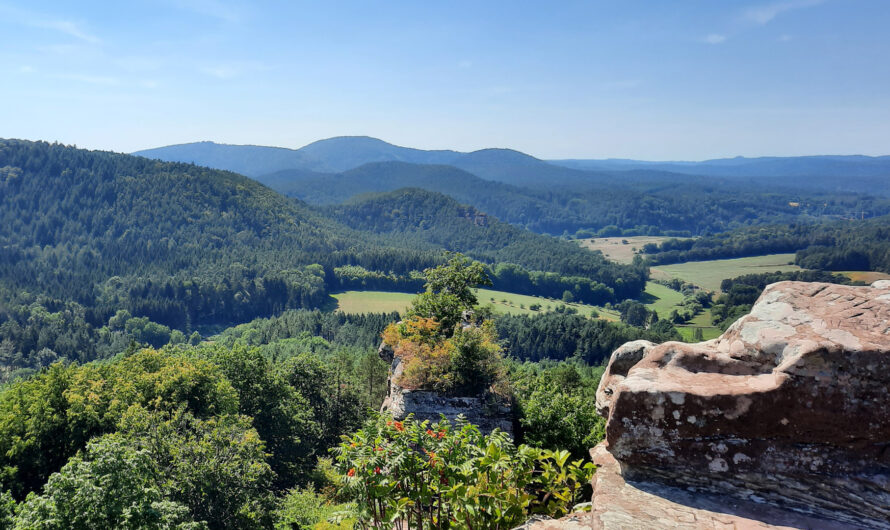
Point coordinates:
[[440, 475], [304, 509], [468, 362]]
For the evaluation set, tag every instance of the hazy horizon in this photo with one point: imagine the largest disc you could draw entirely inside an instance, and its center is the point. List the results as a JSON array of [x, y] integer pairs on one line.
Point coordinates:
[[684, 81]]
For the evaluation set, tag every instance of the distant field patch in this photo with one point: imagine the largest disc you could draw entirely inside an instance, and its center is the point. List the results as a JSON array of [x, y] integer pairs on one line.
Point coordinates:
[[358, 302], [661, 299], [866, 276], [688, 331], [709, 274], [518, 304], [620, 249]]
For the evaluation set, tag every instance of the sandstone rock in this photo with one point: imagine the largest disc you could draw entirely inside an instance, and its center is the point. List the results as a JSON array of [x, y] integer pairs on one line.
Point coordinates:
[[485, 411], [788, 409], [622, 360], [627, 501]]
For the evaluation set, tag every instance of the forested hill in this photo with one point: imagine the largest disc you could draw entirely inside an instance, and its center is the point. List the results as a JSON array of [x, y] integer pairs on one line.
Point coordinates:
[[420, 218], [251, 160], [542, 196], [178, 243], [336, 155], [842, 245], [96, 247], [632, 206]]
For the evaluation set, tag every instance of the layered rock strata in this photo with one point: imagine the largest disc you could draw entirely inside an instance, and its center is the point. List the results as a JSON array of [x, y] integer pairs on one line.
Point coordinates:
[[787, 412]]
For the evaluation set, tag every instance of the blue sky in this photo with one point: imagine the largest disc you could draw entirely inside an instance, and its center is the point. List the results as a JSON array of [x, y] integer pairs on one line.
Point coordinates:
[[658, 80]]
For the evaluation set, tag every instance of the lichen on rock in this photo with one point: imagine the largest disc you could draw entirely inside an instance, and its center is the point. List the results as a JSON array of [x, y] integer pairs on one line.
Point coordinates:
[[788, 409]]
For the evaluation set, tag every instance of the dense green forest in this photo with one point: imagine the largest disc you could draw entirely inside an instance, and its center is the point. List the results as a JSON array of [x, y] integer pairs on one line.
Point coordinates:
[[644, 203], [240, 432], [421, 219], [859, 245], [98, 250]]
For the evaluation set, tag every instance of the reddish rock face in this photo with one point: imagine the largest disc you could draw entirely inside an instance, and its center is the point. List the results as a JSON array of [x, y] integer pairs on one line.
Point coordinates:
[[791, 406]]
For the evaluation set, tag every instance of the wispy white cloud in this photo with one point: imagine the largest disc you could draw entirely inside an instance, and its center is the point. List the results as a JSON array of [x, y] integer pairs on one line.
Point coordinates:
[[715, 38], [67, 27], [764, 14], [41, 21], [785, 38]]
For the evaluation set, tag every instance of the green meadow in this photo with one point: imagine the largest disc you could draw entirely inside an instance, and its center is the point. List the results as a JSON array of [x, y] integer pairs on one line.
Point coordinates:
[[709, 274], [503, 302]]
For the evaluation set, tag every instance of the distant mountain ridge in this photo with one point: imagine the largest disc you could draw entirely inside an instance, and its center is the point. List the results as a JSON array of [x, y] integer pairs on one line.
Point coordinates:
[[340, 154], [343, 153], [769, 166]]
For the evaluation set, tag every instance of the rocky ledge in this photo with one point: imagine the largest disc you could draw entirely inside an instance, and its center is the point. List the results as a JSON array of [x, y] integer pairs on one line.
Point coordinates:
[[783, 421]]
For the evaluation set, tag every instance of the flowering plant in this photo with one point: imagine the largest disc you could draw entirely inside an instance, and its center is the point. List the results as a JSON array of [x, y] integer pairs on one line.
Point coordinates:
[[439, 475]]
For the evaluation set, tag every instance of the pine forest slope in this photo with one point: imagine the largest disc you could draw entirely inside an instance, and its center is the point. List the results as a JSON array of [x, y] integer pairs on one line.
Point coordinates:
[[422, 218], [87, 234]]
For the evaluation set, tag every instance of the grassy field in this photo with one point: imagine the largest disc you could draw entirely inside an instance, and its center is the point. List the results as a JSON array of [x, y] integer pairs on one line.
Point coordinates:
[[503, 302], [357, 302], [709, 274], [616, 249], [866, 276], [661, 299]]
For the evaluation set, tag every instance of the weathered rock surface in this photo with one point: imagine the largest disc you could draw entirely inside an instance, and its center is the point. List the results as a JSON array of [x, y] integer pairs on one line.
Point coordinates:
[[786, 414], [486, 412]]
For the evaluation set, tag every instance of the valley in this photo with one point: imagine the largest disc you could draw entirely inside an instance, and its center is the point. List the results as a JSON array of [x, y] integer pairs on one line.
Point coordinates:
[[444, 265]]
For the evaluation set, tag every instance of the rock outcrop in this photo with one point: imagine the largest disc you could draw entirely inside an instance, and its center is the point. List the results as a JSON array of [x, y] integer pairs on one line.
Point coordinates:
[[783, 421], [485, 411]]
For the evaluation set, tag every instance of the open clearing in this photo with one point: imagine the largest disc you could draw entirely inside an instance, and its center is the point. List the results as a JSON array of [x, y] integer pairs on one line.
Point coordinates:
[[615, 249], [709, 274], [515, 304], [357, 302], [865, 276], [661, 299]]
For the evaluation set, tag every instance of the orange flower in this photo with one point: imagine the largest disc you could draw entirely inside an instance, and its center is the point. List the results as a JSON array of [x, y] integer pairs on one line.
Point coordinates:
[[378, 448], [377, 470], [399, 427], [441, 434], [430, 432], [351, 472], [353, 445]]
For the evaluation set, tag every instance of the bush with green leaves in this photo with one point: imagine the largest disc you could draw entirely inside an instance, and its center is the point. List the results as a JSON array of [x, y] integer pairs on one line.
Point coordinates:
[[438, 475], [160, 470], [304, 509], [553, 404], [112, 484], [48, 418]]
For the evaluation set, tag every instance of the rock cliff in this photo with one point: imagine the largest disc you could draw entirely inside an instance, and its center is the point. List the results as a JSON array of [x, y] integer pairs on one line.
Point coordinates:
[[485, 411], [783, 421]]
